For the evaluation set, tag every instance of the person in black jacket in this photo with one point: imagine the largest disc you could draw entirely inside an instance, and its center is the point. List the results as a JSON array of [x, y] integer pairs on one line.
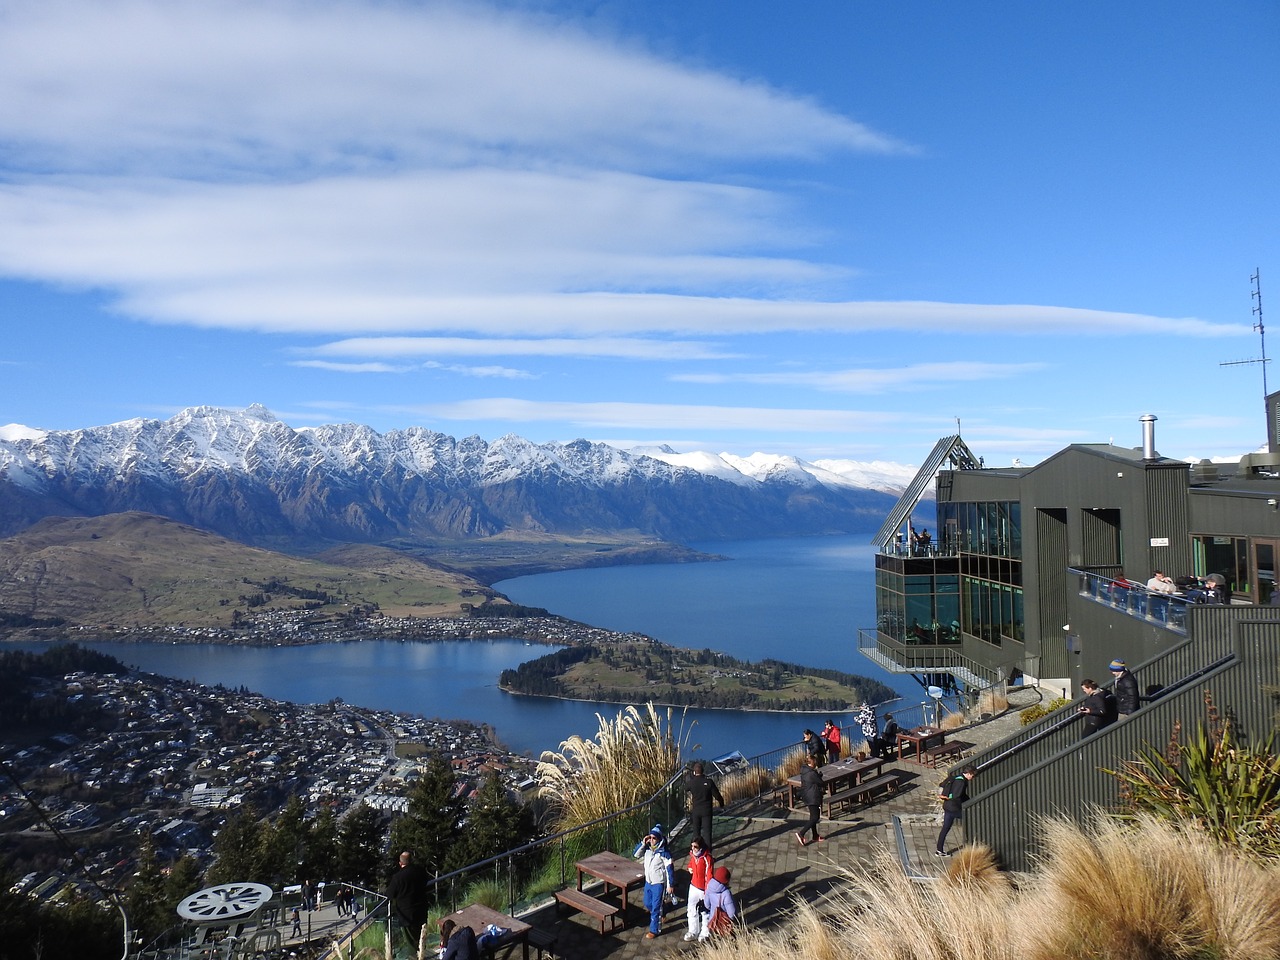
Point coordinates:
[[702, 791], [1099, 708], [1125, 688], [410, 900], [811, 790], [815, 747], [954, 793]]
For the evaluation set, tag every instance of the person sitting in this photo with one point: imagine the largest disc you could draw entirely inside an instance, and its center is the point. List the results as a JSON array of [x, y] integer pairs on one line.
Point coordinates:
[[457, 943], [887, 742]]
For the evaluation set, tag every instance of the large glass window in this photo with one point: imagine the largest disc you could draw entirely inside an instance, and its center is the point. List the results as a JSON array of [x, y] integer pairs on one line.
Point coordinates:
[[993, 611], [918, 608], [1228, 556], [988, 529]]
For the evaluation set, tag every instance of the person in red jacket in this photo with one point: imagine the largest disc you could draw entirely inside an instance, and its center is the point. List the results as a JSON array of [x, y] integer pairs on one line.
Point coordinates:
[[700, 866]]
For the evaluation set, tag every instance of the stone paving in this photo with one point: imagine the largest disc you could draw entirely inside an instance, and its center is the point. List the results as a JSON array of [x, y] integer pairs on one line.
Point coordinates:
[[771, 870]]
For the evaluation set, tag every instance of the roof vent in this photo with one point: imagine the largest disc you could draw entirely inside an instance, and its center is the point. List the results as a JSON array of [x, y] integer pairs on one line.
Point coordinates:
[[1148, 421], [1206, 471]]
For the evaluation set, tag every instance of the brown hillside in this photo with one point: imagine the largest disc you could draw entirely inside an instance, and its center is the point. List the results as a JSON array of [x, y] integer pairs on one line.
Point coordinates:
[[136, 568]]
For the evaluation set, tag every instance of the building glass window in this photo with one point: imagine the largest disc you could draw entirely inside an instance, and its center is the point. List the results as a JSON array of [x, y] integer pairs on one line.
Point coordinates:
[[1228, 556], [918, 608]]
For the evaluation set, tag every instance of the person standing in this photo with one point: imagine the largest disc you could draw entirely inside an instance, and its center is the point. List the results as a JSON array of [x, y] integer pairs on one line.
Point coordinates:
[[1125, 688], [831, 734], [700, 866], [954, 793], [1099, 708], [867, 724], [296, 917], [407, 892], [815, 747], [721, 910], [657, 878], [811, 788], [702, 792]]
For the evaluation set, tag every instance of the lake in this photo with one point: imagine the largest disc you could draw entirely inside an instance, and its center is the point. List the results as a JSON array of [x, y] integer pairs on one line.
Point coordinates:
[[800, 600]]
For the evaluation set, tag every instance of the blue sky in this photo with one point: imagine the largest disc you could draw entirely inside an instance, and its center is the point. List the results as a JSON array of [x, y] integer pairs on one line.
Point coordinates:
[[826, 229]]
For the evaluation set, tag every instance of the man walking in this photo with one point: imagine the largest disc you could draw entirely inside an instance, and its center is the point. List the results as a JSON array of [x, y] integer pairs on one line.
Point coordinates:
[[1125, 688], [702, 792], [954, 793]]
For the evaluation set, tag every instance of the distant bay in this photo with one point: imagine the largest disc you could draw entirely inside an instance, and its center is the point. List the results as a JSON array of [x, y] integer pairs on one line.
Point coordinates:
[[800, 600]]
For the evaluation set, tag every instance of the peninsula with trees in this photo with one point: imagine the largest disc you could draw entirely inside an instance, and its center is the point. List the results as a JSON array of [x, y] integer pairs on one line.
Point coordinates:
[[643, 670]]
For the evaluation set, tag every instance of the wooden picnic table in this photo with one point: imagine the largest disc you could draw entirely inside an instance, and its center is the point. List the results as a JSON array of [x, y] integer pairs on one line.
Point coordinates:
[[837, 774], [614, 870], [478, 917], [921, 737]]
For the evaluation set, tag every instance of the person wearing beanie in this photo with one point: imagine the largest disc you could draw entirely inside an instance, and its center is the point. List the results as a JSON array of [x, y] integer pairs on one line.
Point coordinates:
[[1125, 688], [721, 910], [658, 874]]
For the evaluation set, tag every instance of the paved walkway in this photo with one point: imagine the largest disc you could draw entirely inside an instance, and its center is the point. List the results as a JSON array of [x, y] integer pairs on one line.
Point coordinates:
[[770, 868]]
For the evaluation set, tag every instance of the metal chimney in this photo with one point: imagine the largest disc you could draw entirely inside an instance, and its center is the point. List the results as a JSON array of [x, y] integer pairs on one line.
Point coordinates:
[[1148, 421]]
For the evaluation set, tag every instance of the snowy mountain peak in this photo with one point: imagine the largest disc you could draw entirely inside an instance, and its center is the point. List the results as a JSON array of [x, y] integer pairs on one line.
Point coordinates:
[[247, 475]]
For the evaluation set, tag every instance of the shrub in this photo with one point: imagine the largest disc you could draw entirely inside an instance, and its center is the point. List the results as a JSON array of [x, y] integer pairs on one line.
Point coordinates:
[[1032, 714]]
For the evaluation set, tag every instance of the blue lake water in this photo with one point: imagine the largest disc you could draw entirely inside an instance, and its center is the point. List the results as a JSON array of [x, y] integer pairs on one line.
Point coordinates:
[[799, 600]]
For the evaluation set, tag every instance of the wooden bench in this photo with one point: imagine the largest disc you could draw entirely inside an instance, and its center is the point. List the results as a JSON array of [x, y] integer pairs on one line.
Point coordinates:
[[544, 941], [589, 905], [931, 756], [862, 792]]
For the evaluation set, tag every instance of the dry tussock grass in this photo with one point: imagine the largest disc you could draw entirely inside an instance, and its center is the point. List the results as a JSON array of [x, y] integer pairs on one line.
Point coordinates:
[[746, 784], [790, 764], [992, 702], [1112, 892]]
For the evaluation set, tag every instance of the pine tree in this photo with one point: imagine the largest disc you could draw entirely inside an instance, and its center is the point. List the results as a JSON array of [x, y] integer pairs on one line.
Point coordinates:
[[236, 849], [431, 827], [360, 847], [496, 824]]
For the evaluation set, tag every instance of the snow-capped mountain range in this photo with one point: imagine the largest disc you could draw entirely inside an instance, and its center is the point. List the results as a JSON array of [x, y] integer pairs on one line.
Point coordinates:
[[249, 476]]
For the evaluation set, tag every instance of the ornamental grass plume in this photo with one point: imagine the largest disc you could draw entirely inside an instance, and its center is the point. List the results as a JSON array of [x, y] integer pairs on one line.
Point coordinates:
[[630, 760]]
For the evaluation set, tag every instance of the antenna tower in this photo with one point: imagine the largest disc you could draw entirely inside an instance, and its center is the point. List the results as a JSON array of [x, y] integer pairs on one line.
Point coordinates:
[[1260, 329]]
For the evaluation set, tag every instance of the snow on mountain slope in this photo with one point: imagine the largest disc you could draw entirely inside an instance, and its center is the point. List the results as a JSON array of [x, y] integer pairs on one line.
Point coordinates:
[[879, 475]]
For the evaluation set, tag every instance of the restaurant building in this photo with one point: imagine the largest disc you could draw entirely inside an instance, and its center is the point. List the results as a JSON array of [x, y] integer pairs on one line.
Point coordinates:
[[1037, 575]]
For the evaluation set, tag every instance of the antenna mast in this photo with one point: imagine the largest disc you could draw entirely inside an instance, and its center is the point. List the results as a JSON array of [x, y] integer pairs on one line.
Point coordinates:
[[1256, 294]]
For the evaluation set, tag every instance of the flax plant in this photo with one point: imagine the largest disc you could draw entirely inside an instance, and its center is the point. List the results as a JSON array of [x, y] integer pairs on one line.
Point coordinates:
[[630, 760], [1228, 790]]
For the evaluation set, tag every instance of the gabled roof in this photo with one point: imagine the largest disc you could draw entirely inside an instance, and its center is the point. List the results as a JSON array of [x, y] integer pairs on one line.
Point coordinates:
[[950, 450]]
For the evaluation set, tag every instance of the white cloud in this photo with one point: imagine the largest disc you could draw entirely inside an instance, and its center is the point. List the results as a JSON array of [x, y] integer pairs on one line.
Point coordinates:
[[338, 367], [651, 415], [347, 168], [489, 372], [235, 86], [589, 347], [915, 376]]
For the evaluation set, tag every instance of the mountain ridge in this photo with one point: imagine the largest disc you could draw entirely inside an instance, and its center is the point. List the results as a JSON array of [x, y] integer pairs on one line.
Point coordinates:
[[249, 476]]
